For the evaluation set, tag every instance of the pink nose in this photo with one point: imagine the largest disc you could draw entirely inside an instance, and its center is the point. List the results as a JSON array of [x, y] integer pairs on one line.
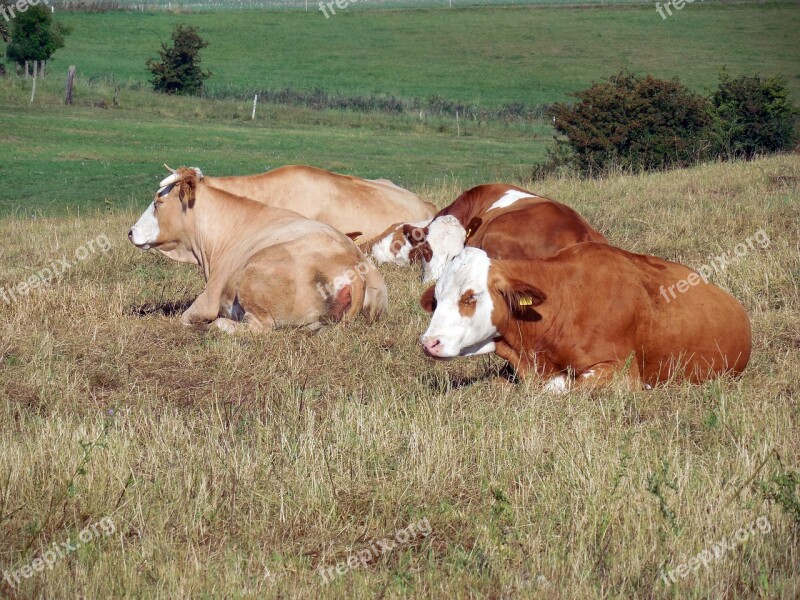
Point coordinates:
[[432, 346]]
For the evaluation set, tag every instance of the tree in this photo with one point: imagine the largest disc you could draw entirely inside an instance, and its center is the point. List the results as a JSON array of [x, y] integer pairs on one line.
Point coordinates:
[[178, 71], [34, 36], [5, 32]]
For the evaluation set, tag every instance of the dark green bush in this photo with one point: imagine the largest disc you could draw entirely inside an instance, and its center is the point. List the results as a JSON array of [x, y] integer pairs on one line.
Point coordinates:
[[178, 69], [639, 123], [753, 116]]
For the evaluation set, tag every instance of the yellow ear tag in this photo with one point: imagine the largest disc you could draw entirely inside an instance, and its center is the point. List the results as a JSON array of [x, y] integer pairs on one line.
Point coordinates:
[[526, 301], [469, 232], [357, 241]]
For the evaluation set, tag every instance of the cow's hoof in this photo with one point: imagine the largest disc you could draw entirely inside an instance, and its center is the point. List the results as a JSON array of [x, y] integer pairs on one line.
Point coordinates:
[[557, 385], [225, 325]]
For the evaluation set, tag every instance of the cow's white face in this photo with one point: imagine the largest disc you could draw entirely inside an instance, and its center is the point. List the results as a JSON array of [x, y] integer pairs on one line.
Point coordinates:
[[145, 233], [446, 237], [163, 226], [462, 309]]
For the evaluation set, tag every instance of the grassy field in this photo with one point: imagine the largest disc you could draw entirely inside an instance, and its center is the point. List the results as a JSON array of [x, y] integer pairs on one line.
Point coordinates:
[[56, 159], [239, 466], [487, 56], [209, 466]]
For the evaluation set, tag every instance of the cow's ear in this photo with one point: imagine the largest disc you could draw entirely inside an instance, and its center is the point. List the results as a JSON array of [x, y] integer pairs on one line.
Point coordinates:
[[415, 235], [428, 299], [521, 298], [473, 226], [340, 304], [188, 187], [354, 235]]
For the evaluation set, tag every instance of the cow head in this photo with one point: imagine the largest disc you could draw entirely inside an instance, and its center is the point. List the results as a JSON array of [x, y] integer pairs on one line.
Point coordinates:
[[437, 244], [166, 224], [471, 300], [399, 244]]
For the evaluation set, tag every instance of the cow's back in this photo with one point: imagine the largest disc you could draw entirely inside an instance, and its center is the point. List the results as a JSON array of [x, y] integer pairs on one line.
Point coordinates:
[[477, 201], [530, 228], [347, 203], [704, 330], [708, 325]]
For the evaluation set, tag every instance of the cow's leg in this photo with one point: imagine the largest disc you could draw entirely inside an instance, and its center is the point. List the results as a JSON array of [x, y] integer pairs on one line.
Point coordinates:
[[204, 309], [602, 373], [258, 325], [523, 365], [512, 357]]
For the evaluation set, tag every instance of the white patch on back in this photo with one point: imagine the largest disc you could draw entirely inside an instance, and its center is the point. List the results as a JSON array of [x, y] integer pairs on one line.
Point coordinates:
[[557, 385], [460, 335], [509, 198], [145, 232], [446, 237]]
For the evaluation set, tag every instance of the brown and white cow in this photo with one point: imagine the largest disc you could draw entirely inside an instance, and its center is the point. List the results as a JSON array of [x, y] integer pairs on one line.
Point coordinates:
[[360, 208], [266, 267], [589, 312], [504, 220]]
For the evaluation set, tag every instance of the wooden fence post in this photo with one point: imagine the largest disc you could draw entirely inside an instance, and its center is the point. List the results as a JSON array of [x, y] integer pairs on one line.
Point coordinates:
[[33, 89], [255, 100], [70, 80]]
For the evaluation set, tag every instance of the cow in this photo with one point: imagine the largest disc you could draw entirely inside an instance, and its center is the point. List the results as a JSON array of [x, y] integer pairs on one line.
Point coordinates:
[[264, 267], [359, 208], [591, 311], [504, 220]]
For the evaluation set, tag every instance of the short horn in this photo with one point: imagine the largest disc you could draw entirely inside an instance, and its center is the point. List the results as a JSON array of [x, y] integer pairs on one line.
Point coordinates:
[[169, 180], [173, 171]]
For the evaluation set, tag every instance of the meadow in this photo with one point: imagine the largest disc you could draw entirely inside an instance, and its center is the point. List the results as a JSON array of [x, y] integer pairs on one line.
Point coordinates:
[[206, 465], [239, 466], [93, 156], [485, 56]]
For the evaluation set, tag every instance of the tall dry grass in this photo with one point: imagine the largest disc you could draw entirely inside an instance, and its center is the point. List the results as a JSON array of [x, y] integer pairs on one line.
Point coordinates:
[[237, 466]]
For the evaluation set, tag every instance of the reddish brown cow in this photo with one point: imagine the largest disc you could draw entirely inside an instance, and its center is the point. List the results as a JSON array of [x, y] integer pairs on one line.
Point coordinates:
[[504, 220], [590, 311]]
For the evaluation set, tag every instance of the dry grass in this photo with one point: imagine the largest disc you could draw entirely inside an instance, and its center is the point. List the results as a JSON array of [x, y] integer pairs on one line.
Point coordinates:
[[236, 466]]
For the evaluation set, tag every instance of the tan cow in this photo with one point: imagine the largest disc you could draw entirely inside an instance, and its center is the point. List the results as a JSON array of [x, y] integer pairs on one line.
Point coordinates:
[[266, 267], [590, 311], [359, 208]]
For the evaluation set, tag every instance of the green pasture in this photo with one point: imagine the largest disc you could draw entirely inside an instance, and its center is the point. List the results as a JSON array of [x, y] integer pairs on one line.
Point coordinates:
[[55, 158], [92, 155], [485, 56]]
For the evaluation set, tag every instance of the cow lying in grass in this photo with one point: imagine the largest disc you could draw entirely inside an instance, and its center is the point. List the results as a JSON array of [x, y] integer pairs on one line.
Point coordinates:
[[265, 267], [585, 314], [504, 220], [359, 208]]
